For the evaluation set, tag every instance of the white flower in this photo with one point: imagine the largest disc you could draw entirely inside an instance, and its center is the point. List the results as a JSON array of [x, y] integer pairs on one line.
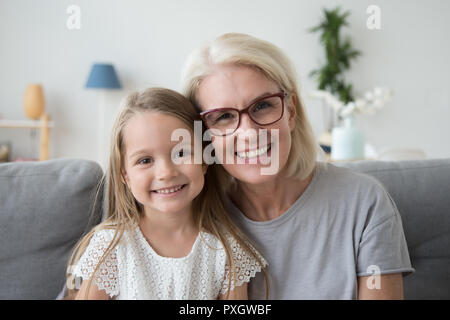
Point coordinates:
[[348, 109], [378, 92], [368, 104], [369, 96]]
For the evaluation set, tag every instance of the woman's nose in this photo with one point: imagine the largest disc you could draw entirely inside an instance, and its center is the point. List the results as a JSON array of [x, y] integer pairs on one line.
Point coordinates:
[[246, 123], [248, 130]]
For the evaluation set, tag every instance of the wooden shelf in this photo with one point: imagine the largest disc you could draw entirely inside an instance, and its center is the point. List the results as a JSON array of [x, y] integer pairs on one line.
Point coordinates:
[[25, 124], [44, 125]]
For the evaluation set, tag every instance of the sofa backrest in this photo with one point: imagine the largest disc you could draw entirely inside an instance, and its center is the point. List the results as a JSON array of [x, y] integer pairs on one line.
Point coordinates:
[[421, 191], [45, 207]]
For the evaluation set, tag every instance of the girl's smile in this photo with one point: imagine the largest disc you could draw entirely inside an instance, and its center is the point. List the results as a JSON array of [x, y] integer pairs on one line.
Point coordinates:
[[156, 181], [169, 192]]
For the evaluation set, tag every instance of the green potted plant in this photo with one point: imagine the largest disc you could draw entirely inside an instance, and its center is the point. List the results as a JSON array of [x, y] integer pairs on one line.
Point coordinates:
[[346, 142], [338, 54]]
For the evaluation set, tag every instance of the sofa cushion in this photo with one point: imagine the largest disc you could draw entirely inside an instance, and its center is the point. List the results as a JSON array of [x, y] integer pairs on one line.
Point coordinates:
[[421, 191], [45, 207]]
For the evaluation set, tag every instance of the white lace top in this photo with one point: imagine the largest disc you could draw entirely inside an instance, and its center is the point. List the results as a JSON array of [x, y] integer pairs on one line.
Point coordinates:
[[134, 270]]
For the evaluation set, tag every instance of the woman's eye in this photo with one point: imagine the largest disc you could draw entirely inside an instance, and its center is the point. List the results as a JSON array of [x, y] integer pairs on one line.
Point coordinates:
[[183, 153], [224, 116], [261, 105]]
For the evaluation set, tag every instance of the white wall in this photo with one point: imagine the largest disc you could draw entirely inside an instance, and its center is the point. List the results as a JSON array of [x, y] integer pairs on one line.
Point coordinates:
[[148, 42]]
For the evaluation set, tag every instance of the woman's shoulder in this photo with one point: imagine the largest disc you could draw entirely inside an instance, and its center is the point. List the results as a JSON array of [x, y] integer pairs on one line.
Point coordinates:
[[343, 178]]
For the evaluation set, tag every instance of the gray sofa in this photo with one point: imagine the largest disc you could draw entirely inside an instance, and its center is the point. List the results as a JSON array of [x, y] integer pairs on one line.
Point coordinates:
[[45, 207]]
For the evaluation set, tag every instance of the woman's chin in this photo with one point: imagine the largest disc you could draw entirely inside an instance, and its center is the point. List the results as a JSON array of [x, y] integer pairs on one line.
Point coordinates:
[[251, 174]]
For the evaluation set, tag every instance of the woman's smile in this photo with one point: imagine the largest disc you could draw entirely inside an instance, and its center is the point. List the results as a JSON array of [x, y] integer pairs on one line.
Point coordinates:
[[249, 156]]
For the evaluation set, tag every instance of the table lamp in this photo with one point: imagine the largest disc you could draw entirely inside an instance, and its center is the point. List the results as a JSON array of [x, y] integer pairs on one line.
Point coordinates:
[[102, 77]]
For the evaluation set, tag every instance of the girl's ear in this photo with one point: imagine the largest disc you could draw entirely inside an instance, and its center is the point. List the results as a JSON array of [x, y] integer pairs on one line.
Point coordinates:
[[204, 168], [124, 177]]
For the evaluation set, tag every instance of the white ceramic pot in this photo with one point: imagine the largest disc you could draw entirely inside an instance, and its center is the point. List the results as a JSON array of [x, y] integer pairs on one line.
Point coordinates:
[[347, 142]]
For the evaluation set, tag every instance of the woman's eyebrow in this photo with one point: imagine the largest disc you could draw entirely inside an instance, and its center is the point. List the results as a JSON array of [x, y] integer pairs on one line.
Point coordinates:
[[259, 97], [267, 93]]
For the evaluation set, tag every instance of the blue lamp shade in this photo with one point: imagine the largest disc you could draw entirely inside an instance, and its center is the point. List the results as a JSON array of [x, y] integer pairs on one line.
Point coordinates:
[[103, 76]]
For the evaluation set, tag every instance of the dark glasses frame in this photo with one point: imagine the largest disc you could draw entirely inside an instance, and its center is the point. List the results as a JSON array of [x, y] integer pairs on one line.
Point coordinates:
[[281, 95]]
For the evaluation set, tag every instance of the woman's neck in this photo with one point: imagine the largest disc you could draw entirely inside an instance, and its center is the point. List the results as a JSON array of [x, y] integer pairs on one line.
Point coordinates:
[[269, 200]]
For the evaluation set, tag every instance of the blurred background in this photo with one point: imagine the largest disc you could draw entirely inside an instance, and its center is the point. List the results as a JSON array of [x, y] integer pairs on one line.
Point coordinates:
[[55, 43]]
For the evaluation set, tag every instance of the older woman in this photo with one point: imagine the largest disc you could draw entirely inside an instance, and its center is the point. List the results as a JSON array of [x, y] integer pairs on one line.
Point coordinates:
[[327, 232]]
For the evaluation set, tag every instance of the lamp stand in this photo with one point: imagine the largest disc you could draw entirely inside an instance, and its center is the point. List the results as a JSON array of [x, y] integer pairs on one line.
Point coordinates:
[[101, 141]]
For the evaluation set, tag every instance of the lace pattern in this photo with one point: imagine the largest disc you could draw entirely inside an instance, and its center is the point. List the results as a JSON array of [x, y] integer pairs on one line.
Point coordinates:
[[246, 267], [106, 276], [134, 270]]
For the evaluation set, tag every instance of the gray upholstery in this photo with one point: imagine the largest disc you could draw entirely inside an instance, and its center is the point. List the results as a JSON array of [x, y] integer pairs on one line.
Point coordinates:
[[45, 207], [421, 191]]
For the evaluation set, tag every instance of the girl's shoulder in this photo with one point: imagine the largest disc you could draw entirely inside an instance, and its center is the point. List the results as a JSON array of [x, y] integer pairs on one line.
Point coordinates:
[[105, 235], [214, 241], [239, 249]]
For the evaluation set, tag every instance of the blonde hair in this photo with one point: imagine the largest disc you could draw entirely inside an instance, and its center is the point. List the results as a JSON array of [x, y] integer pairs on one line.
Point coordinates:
[[123, 211], [245, 50]]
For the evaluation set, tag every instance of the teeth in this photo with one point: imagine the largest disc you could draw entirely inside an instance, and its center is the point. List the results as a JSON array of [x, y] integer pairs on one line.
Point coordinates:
[[253, 153], [169, 190]]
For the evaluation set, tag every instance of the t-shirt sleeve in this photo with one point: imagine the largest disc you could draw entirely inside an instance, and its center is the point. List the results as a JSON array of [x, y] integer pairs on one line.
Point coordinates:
[[246, 266], [106, 276], [383, 248]]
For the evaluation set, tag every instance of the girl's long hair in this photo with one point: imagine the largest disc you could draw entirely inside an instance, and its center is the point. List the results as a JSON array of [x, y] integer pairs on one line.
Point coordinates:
[[123, 211]]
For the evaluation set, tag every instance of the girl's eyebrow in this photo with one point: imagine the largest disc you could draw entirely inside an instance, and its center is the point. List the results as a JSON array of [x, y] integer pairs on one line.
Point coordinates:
[[134, 154], [182, 144]]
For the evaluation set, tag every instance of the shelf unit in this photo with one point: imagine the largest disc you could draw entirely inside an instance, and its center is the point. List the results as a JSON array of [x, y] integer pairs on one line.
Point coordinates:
[[44, 125]]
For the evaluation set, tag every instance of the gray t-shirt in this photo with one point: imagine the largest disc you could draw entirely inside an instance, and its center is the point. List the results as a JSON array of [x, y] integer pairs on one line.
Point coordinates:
[[343, 224]]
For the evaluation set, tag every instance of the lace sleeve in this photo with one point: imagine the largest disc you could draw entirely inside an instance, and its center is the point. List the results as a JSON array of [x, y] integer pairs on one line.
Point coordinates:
[[106, 276], [246, 266]]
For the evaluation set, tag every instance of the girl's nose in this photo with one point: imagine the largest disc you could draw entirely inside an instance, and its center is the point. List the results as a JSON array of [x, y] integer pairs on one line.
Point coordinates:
[[166, 170]]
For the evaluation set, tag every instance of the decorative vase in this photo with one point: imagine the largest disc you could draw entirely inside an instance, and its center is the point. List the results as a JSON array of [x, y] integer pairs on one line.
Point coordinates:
[[347, 141], [33, 102]]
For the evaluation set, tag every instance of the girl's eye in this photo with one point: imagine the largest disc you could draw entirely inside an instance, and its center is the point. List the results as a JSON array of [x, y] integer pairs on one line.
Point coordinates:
[[145, 161]]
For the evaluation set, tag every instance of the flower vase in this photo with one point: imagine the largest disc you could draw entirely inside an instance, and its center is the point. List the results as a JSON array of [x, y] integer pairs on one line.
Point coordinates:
[[347, 141], [34, 102]]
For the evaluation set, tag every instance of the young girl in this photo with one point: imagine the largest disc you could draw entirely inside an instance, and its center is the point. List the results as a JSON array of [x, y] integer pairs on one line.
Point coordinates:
[[166, 234]]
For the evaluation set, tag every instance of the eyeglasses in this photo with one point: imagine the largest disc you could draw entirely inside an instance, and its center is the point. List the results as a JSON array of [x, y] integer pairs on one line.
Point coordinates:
[[264, 111]]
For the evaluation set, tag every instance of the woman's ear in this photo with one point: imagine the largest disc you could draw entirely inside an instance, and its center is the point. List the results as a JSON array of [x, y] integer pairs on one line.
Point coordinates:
[[291, 107], [204, 168]]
